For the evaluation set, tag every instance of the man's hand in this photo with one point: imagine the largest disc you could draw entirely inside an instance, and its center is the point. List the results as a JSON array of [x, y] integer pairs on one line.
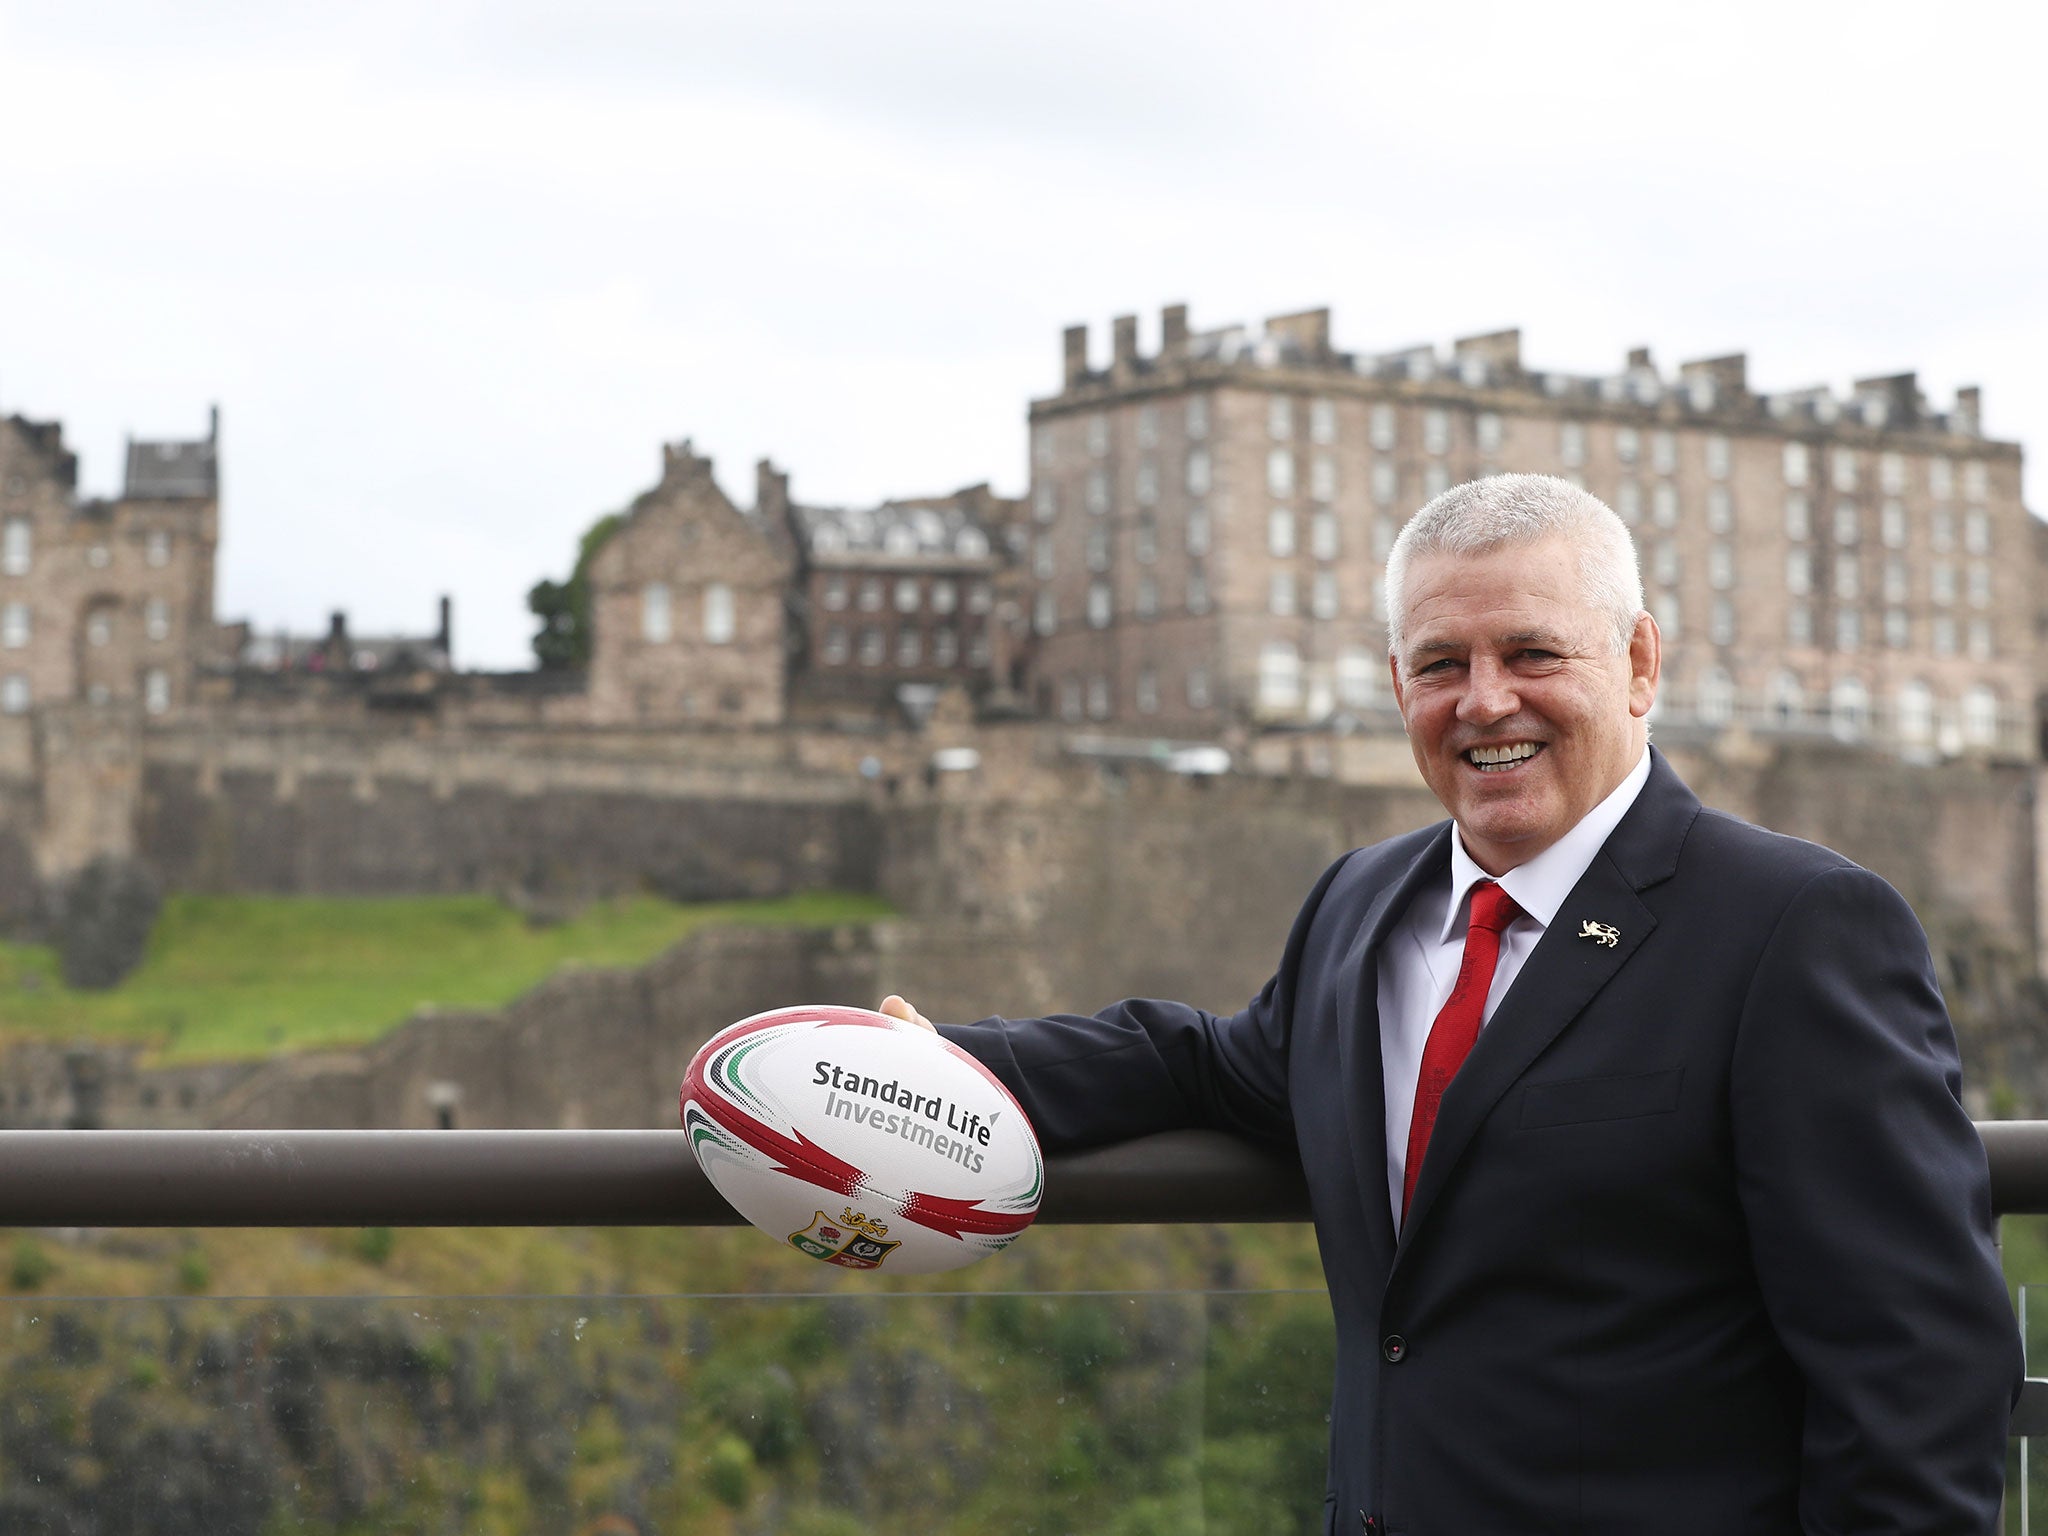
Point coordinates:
[[896, 1008]]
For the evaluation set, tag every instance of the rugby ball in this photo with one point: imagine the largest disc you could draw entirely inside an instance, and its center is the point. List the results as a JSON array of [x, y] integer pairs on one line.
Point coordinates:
[[862, 1141]]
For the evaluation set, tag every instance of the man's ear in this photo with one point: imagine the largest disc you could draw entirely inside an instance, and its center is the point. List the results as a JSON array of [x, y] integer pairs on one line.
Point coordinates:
[[1645, 665]]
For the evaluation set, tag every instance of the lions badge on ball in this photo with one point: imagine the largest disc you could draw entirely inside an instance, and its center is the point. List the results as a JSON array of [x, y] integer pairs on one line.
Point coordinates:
[[862, 1141]]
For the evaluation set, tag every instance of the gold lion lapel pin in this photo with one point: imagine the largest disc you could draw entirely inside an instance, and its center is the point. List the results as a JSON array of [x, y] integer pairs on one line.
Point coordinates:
[[1600, 933]]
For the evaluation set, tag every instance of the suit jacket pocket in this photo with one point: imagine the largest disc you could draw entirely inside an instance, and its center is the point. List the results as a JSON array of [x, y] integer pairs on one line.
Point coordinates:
[[1581, 1099]]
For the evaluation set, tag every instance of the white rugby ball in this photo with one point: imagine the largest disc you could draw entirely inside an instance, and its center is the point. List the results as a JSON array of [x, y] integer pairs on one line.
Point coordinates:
[[861, 1140]]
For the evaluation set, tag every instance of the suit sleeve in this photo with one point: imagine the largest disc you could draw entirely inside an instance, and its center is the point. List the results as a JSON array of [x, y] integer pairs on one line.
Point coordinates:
[[1146, 1065], [1868, 1205]]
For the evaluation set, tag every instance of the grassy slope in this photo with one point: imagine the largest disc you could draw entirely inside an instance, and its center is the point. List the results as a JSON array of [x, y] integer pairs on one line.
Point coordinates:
[[235, 976]]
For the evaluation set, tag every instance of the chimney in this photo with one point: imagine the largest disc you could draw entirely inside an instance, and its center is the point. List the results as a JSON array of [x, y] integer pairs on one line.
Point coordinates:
[[1900, 393], [1309, 330], [213, 424], [1074, 344], [1639, 357], [771, 493], [1173, 332], [1500, 350], [1969, 413], [445, 638], [1730, 374], [1124, 345]]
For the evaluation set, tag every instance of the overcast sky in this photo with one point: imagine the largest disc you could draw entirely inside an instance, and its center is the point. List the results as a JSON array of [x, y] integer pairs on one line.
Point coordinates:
[[453, 272]]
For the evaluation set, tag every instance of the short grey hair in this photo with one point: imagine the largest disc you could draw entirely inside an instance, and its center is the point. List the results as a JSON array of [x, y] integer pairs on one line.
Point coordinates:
[[1500, 511]]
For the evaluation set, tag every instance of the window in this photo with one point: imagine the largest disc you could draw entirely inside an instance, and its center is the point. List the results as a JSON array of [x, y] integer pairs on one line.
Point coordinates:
[[1198, 417], [1571, 442], [1787, 699], [98, 557], [156, 619], [1100, 605], [1849, 708], [1664, 563], [1977, 531], [1628, 501], [1280, 594], [835, 649], [908, 595], [1198, 590], [977, 648], [1148, 692], [156, 550], [1148, 596], [1720, 566], [1716, 697], [1148, 426], [1383, 427], [17, 546], [1280, 533], [871, 643], [1848, 629], [655, 621], [1916, 712], [1628, 444], [1045, 613], [1941, 529], [1898, 629], [1720, 510], [1664, 504], [1098, 435], [1322, 478], [1980, 586], [1435, 481], [1358, 671], [1280, 473], [1844, 464], [1980, 717], [14, 694], [1891, 473], [14, 626], [945, 596], [1145, 543], [1488, 427], [1198, 687], [1198, 530], [1322, 535], [1146, 489], [871, 595], [1798, 516], [909, 647], [1070, 698], [1663, 452], [1980, 639], [1894, 580], [1279, 418], [1891, 524], [1941, 582], [1796, 466], [1847, 578], [1322, 421], [834, 593], [1098, 697], [1721, 622], [1798, 572], [1385, 482], [1096, 496], [1941, 635], [1322, 595], [1848, 523], [1799, 624], [1718, 457], [1976, 481], [1668, 614], [1198, 472], [718, 614], [1941, 478], [945, 646], [1384, 531], [1279, 676], [1436, 431], [1041, 446], [1098, 549], [980, 597], [156, 690]]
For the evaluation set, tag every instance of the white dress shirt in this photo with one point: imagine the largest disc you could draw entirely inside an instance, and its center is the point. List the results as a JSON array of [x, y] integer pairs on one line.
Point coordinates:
[[1420, 959]]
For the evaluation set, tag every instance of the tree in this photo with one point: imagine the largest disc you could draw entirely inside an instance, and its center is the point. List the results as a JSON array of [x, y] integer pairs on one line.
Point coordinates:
[[563, 607]]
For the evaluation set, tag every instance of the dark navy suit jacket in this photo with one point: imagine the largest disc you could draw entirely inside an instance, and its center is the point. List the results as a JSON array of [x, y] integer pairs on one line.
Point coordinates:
[[1703, 1239]]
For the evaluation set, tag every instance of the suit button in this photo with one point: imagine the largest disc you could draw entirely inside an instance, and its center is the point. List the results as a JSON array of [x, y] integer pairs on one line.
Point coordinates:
[[1393, 1349]]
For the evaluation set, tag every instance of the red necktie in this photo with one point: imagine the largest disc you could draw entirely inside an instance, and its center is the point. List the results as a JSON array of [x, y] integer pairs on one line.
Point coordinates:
[[1457, 1023]]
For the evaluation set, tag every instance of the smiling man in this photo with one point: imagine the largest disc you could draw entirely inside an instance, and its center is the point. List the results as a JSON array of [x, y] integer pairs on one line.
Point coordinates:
[[1634, 1136]]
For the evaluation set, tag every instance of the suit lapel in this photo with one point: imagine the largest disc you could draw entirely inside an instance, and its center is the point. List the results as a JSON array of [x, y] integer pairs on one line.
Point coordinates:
[[1563, 974], [1359, 1059]]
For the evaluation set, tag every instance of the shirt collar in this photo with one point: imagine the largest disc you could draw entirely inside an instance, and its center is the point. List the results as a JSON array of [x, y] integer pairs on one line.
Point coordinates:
[[1540, 886]]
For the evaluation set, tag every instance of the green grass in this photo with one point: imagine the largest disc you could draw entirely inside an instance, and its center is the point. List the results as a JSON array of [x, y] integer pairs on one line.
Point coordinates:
[[238, 976]]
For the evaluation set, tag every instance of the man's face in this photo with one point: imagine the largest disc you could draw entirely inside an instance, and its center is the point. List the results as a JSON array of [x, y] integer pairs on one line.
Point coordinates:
[[1521, 716]]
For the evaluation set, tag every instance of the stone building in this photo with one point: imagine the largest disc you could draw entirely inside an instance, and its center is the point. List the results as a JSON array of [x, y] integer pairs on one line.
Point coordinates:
[[902, 599], [1210, 524], [105, 602], [688, 606]]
